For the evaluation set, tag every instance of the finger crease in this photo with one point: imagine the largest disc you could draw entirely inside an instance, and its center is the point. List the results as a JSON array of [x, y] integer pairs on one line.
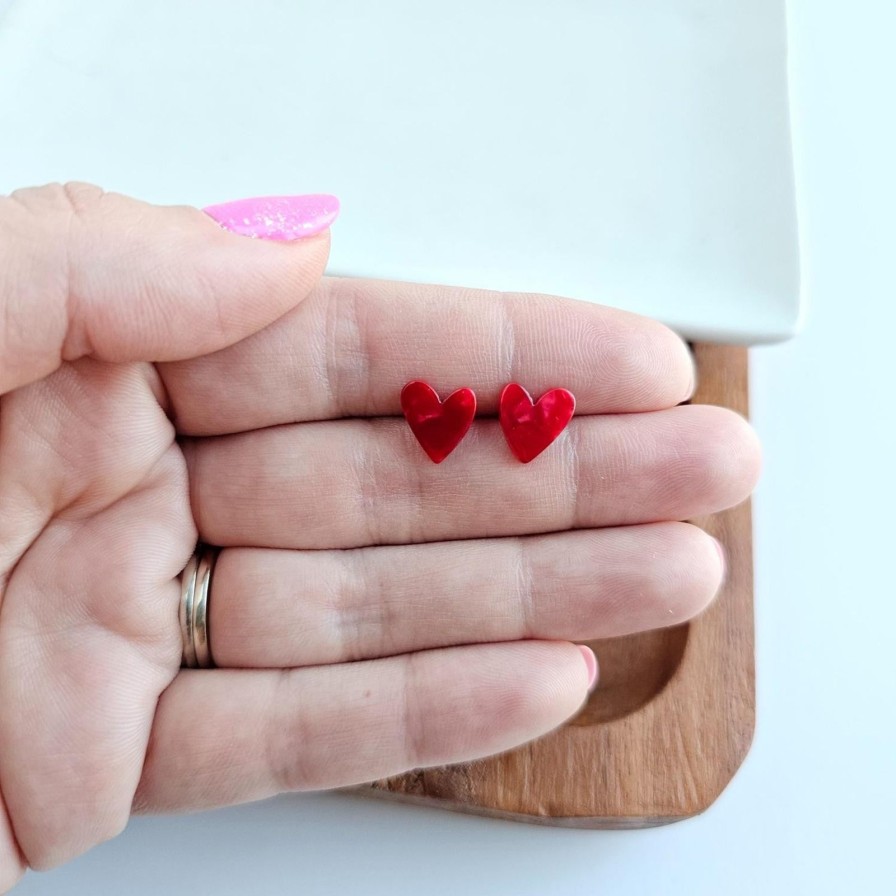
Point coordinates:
[[507, 347], [412, 718], [348, 359], [525, 588], [571, 475], [287, 744], [354, 607], [368, 488]]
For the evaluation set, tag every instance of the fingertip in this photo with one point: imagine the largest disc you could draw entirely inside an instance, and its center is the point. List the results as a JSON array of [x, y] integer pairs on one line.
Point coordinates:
[[725, 453], [702, 570], [655, 362], [746, 451], [538, 686]]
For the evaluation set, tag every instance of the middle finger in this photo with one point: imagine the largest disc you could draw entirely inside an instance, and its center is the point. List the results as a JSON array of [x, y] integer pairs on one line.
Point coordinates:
[[352, 483]]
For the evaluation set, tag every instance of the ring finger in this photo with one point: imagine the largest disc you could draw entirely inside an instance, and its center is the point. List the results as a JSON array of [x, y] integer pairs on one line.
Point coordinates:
[[280, 609]]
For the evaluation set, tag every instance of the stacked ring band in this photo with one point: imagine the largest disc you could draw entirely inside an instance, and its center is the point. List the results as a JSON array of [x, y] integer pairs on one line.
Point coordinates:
[[195, 585]]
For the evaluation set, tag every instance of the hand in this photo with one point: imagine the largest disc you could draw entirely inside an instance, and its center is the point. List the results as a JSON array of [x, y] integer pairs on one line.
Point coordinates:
[[371, 612]]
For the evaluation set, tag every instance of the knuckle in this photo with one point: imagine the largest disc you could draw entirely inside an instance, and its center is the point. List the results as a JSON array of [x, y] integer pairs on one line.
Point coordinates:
[[35, 282], [64, 199], [81, 198]]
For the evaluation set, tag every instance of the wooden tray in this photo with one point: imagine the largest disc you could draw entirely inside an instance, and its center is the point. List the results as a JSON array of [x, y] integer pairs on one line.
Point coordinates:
[[672, 717]]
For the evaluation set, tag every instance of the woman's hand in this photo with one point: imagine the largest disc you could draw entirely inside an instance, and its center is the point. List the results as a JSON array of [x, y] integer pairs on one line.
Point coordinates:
[[163, 380]]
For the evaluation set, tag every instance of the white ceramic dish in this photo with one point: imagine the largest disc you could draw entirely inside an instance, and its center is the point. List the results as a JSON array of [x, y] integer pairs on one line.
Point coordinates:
[[636, 154]]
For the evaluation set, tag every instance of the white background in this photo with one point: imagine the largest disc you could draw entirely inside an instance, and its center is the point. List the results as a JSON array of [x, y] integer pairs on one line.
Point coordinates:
[[811, 809], [635, 154]]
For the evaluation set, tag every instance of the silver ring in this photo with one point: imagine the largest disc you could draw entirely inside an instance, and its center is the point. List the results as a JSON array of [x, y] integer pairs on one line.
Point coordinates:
[[196, 583]]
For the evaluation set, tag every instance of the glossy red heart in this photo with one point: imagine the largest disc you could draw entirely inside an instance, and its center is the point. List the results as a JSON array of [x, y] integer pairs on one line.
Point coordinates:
[[438, 425], [530, 427]]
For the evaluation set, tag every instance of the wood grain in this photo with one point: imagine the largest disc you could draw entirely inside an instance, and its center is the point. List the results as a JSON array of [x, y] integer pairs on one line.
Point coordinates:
[[671, 720]]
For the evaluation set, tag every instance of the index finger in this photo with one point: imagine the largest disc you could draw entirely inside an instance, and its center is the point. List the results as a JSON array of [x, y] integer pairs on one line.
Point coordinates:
[[348, 350]]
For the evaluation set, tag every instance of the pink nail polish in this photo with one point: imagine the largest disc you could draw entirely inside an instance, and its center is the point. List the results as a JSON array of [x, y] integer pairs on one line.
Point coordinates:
[[591, 663], [277, 217]]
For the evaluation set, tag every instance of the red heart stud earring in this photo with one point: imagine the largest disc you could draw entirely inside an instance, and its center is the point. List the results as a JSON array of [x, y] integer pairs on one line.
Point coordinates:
[[438, 425], [530, 427]]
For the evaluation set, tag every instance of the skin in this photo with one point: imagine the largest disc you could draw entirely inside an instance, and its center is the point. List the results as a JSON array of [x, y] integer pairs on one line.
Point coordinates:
[[164, 380]]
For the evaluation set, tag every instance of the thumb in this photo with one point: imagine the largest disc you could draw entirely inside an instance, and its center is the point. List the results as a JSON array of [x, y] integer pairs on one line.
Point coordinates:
[[84, 272]]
